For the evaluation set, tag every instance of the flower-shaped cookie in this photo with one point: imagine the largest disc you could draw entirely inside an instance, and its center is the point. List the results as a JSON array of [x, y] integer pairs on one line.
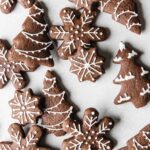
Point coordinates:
[[87, 65], [20, 142], [25, 107], [91, 134], [78, 31]]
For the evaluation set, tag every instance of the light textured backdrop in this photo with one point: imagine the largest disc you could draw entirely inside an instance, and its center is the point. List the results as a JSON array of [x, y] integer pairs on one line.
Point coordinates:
[[100, 94]]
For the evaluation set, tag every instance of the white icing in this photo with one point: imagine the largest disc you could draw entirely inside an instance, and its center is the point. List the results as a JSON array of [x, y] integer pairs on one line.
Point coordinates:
[[103, 4], [137, 145], [122, 46], [78, 3], [23, 108], [10, 68], [76, 32], [127, 77], [145, 90], [90, 135], [69, 17], [30, 36], [6, 3], [117, 59], [124, 98], [54, 110], [31, 140], [86, 66], [124, 12], [132, 54], [144, 72]]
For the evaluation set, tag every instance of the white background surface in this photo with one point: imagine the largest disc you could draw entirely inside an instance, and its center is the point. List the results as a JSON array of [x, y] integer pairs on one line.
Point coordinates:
[[101, 94]]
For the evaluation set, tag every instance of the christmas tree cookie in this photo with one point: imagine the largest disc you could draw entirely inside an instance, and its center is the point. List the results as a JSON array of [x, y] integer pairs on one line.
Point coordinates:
[[132, 77], [141, 141], [57, 108], [32, 45]]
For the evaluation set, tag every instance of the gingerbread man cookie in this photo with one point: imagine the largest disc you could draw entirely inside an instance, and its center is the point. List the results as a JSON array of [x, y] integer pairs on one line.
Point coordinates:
[[141, 141], [6, 6], [32, 45], [91, 134], [132, 77], [57, 108], [20, 142], [78, 31], [11, 70], [25, 107], [87, 65]]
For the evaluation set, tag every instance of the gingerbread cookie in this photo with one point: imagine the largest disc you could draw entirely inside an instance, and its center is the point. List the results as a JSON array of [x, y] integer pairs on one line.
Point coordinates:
[[124, 12], [57, 108], [32, 45], [84, 3], [6, 6], [22, 142], [139, 142], [25, 107], [132, 77], [91, 134], [87, 65], [78, 31], [11, 70]]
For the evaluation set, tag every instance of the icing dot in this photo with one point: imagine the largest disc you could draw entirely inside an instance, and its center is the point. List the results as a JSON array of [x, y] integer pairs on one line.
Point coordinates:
[[93, 113], [89, 137], [67, 126], [87, 65]]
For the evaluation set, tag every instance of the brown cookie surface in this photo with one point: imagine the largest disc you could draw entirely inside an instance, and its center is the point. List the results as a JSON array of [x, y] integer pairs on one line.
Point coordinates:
[[87, 65], [32, 45], [141, 141], [57, 108], [6, 6], [22, 142], [11, 70], [25, 107], [132, 77], [84, 3], [91, 134], [78, 31], [124, 12]]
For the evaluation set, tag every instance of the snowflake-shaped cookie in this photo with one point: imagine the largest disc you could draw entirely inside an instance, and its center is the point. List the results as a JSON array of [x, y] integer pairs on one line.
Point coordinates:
[[87, 65], [84, 3], [10, 70], [78, 31], [20, 142], [25, 107], [90, 135]]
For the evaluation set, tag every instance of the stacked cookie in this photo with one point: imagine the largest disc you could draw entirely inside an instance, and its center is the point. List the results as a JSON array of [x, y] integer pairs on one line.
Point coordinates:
[[52, 112]]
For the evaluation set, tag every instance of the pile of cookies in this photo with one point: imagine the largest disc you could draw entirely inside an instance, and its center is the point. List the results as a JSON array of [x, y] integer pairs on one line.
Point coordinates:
[[32, 47]]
